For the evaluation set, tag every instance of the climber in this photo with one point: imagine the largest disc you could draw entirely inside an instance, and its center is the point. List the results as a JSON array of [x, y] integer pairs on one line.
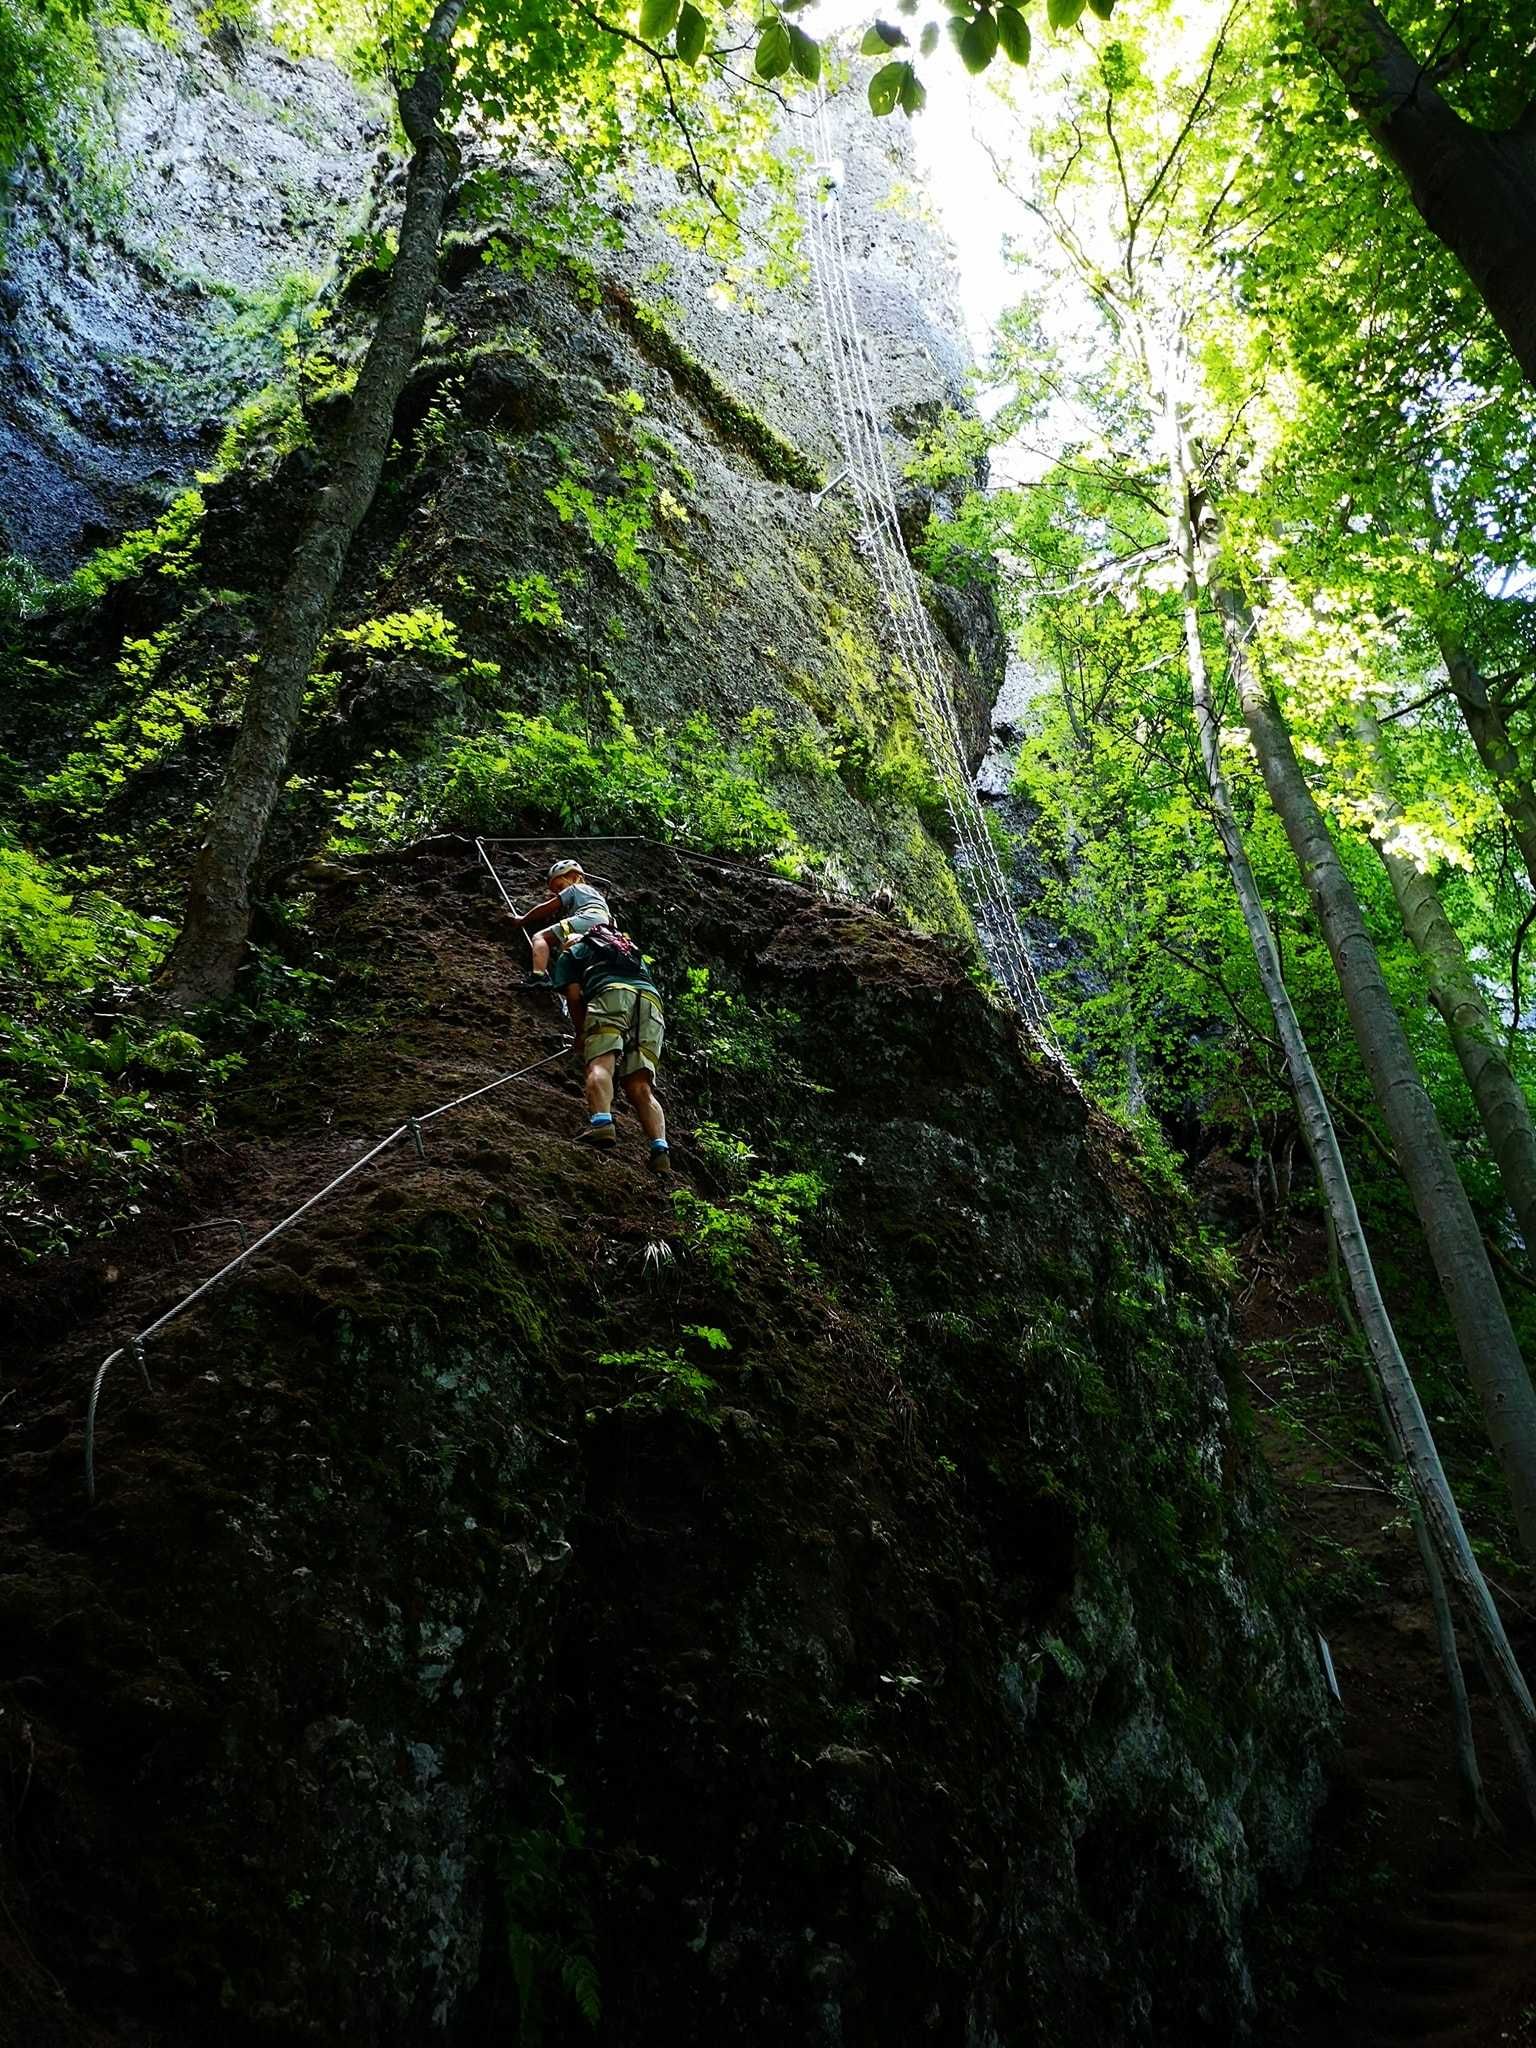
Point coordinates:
[[572, 907], [616, 1015]]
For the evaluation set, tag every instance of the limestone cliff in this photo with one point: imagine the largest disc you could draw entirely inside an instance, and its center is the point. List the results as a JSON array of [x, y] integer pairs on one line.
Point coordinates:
[[828, 1600], [143, 271]]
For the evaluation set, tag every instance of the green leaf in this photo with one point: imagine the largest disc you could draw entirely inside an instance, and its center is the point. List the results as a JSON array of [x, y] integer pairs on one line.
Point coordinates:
[[1013, 34], [692, 33], [774, 51], [1102, 8], [1064, 13], [806, 53], [881, 36], [885, 87], [657, 18], [913, 96], [977, 41], [930, 40]]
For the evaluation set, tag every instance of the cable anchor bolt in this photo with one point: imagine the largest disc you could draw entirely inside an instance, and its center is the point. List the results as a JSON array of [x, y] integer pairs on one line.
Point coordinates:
[[136, 1353], [415, 1130]]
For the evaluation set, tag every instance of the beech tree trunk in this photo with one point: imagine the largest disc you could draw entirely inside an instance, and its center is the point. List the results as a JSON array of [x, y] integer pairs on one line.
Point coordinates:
[[1483, 1332], [1409, 1425], [211, 945], [1489, 730], [1464, 1739], [1474, 187], [1478, 1041]]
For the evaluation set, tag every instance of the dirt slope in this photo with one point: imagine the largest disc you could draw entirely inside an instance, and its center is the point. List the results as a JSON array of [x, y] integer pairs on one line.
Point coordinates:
[[1417, 1929]]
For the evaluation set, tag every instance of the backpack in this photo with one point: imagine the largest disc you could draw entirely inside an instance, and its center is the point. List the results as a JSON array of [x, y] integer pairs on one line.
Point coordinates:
[[616, 950]]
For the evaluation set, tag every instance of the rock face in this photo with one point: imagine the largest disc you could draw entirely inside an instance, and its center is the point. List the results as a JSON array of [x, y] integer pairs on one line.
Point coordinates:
[[829, 1602], [609, 476], [137, 314]]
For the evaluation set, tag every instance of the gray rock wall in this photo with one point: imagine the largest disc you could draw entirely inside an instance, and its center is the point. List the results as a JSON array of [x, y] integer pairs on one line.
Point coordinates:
[[134, 316]]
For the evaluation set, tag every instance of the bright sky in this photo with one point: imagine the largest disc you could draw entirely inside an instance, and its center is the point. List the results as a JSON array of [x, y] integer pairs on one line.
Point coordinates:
[[959, 179], [975, 211]]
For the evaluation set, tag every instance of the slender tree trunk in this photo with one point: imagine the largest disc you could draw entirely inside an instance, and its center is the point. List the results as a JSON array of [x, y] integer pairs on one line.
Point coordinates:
[[1478, 1041], [1409, 1425], [1481, 1321], [1473, 1798], [1474, 187], [1463, 1737], [212, 941], [1489, 728]]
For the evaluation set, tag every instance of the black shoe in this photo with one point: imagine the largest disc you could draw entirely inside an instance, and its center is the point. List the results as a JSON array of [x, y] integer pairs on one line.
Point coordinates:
[[661, 1162], [601, 1135], [535, 981]]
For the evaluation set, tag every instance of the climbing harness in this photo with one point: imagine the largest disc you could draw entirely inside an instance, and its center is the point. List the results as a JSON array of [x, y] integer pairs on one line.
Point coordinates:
[[411, 1128], [868, 477], [616, 947]]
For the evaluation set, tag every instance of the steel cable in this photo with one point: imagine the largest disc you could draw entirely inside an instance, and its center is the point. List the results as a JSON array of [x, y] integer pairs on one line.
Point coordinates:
[[135, 1345], [912, 634]]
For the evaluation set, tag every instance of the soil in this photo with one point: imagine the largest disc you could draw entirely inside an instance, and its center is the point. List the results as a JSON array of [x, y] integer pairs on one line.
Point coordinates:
[[1418, 1927]]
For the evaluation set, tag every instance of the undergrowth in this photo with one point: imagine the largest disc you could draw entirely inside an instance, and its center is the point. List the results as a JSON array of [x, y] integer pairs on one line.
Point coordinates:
[[88, 1097], [682, 783]]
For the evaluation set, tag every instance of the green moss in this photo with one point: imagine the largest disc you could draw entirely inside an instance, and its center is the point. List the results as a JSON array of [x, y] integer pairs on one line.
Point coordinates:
[[502, 1266], [735, 422], [683, 784]]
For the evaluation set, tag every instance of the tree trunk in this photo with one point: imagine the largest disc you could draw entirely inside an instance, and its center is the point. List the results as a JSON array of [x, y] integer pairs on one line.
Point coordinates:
[[1481, 1321], [1479, 1044], [1486, 723], [1464, 1740], [211, 945], [1409, 1424], [1474, 187]]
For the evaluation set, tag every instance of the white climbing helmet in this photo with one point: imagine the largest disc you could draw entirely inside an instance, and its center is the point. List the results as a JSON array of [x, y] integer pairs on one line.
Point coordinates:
[[566, 867]]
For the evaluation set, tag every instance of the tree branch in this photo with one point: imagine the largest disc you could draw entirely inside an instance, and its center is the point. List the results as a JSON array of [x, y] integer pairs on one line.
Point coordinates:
[[662, 62]]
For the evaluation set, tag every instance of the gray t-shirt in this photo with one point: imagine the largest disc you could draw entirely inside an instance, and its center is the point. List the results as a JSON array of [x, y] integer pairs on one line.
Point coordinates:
[[582, 900]]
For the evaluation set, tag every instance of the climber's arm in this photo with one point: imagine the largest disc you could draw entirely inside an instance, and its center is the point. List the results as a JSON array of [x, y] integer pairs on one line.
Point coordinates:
[[541, 913]]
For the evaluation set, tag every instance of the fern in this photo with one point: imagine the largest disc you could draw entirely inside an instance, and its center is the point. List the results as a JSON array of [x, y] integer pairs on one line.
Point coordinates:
[[578, 1974]]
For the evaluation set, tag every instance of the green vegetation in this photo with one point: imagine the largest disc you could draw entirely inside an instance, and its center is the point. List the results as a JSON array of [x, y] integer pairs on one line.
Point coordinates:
[[722, 1233], [548, 1914], [535, 601], [617, 522], [168, 548], [90, 1103], [676, 785], [51, 62], [668, 1380], [726, 1032], [154, 721]]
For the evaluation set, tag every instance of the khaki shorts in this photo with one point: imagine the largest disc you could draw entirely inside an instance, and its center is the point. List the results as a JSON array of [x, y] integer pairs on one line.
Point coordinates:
[[571, 928], [625, 1020]]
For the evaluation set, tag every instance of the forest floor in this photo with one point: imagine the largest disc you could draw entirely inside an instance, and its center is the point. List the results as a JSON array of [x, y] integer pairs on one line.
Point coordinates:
[[1415, 1928]]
